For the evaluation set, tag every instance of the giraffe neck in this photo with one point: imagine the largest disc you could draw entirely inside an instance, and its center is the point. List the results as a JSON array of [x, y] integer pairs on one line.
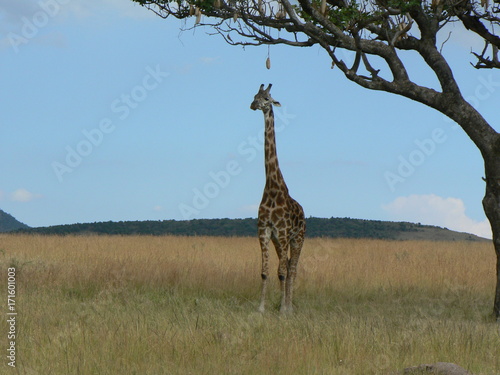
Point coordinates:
[[274, 178]]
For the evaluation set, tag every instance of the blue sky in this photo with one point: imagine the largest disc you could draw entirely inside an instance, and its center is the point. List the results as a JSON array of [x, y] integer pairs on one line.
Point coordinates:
[[111, 113]]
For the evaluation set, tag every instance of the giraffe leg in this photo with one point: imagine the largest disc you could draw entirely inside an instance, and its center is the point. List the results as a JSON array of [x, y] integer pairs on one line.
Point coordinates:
[[264, 237], [281, 246], [295, 249]]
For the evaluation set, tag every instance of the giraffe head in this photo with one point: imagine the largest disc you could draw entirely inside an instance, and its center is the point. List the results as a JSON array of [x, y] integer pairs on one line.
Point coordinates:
[[263, 99]]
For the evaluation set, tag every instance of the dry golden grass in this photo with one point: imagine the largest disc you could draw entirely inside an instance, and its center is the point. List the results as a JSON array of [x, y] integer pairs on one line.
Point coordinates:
[[187, 305]]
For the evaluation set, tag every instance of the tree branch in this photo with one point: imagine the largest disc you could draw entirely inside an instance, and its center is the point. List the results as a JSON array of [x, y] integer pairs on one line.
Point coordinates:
[[367, 27], [485, 62]]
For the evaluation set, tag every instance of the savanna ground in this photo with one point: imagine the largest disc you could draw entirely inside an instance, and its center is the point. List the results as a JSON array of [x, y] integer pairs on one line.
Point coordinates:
[[188, 305]]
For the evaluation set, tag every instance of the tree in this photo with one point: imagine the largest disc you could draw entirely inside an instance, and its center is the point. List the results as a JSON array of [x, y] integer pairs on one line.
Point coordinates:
[[377, 32]]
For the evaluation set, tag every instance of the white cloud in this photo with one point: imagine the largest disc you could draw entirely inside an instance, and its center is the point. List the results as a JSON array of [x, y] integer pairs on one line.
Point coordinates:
[[23, 195], [435, 210], [15, 14], [12, 11], [27, 21]]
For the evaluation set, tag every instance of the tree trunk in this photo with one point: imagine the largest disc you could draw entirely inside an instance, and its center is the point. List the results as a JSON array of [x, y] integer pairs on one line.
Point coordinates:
[[488, 142], [491, 205]]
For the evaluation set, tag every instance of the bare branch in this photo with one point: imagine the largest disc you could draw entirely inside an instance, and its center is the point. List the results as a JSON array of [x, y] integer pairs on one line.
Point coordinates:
[[485, 62], [367, 27], [442, 44]]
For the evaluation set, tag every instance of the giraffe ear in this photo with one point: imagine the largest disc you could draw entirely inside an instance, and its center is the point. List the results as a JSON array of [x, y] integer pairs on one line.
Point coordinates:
[[276, 104], [268, 87]]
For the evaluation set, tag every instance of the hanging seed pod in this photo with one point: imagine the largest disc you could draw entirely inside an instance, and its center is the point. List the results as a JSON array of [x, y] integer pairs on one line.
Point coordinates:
[[323, 7], [217, 4], [235, 16], [268, 63], [402, 27], [260, 5], [280, 14], [191, 10], [198, 16], [333, 65]]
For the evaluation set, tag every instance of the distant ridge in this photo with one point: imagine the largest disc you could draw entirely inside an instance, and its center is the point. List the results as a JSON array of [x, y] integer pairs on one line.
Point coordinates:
[[8, 223], [316, 227]]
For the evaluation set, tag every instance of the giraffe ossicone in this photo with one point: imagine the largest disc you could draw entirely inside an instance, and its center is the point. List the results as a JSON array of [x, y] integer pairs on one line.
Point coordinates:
[[281, 219]]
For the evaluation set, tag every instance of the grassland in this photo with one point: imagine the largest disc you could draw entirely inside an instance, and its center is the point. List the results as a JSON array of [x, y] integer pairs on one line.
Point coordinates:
[[179, 305]]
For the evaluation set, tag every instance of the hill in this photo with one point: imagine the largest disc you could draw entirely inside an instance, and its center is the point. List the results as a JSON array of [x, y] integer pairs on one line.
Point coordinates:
[[9, 223], [316, 227]]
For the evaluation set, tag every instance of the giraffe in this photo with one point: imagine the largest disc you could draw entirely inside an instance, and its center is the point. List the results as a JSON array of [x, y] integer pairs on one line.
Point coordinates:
[[281, 219]]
